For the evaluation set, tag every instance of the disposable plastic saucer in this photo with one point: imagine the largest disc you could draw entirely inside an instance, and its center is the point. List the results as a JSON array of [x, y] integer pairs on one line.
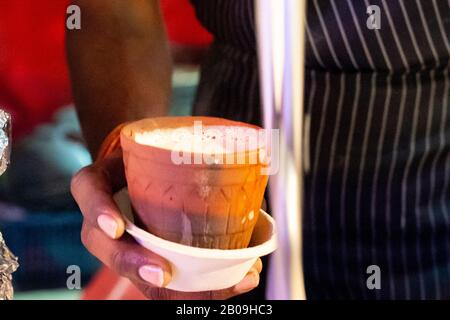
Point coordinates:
[[199, 269]]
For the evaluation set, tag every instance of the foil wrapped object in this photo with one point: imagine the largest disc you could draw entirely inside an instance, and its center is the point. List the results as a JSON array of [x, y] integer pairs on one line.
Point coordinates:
[[5, 139], [8, 262]]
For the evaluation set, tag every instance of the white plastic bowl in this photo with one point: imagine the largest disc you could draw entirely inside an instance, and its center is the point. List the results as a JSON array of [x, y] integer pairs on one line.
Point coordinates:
[[199, 269]]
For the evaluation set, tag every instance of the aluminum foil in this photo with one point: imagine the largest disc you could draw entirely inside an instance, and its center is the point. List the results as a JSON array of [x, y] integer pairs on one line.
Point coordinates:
[[8, 262], [5, 139]]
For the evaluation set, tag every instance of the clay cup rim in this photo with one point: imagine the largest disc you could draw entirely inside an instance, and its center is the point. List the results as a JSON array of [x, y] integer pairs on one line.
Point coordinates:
[[163, 155]]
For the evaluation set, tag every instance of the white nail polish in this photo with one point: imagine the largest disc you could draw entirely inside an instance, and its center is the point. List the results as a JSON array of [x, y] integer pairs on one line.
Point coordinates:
[[108, 225], [152, 274]]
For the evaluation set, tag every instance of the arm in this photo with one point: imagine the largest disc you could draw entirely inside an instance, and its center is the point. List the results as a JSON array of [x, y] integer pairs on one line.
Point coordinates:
[[120, 65]]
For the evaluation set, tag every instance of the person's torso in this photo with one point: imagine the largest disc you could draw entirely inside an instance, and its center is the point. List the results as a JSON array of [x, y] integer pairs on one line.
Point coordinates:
[[378, 103]]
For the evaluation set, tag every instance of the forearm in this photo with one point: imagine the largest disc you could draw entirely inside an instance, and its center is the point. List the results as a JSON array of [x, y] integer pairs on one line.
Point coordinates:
[[119, 64]]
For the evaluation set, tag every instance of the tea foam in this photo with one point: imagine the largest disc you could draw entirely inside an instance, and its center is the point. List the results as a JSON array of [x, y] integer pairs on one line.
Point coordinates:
[[201, 139]]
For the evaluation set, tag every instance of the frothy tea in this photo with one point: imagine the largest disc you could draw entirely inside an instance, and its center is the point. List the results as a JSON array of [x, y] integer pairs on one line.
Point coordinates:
[[202, 139]]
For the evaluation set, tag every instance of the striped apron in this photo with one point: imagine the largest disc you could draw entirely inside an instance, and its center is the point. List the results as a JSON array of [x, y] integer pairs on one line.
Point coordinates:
[[378, 100]]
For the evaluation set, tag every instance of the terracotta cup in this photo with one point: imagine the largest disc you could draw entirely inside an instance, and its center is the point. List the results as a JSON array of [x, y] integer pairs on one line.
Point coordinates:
[[197, 204]]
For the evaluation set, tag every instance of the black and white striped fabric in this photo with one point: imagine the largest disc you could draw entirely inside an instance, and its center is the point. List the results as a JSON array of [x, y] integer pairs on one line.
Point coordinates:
[[378, 100]]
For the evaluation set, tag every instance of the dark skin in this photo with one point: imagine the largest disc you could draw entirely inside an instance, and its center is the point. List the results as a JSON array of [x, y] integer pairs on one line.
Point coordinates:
[[120, 66]]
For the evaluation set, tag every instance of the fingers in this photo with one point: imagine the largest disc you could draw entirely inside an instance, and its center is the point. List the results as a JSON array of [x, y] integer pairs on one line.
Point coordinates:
[[258, 265], [127, 258], [154, 293], [151, 273], [250, 281], [92, 188]]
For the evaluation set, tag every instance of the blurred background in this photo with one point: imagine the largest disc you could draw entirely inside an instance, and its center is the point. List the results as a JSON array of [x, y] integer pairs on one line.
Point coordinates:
[[38, 217]]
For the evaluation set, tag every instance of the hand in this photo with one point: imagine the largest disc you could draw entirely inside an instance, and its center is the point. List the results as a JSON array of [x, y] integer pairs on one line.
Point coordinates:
[[103, 235]]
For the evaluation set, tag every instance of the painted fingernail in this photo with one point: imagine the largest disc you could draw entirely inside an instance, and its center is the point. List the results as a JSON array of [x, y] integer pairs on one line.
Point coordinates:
[[250, 281], [108, 225], [152, 274]]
